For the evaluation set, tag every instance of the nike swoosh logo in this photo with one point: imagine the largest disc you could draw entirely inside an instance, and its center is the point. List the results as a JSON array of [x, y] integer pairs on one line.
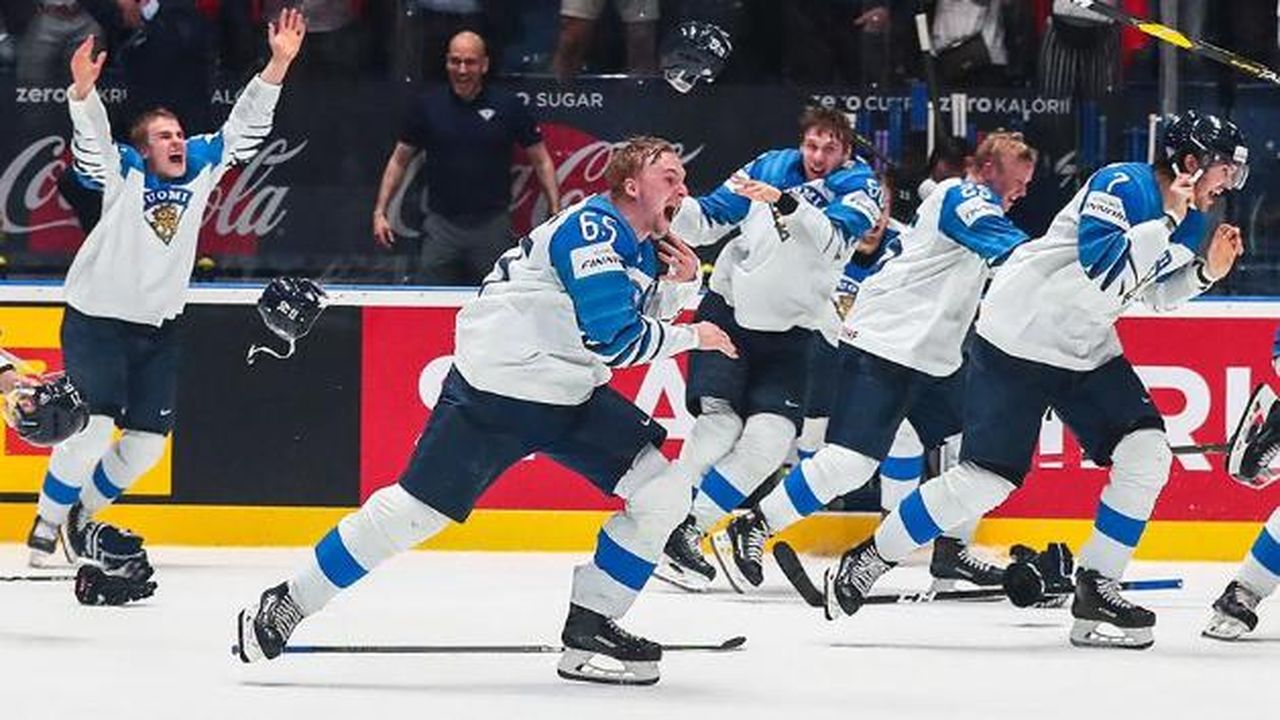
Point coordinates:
[[165, 412]]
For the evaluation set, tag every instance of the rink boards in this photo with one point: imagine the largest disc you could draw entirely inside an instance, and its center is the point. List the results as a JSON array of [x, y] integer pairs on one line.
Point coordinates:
[[275, 453]]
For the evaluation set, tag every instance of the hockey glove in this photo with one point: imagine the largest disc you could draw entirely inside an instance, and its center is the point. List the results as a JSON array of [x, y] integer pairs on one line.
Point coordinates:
[[96, 587]]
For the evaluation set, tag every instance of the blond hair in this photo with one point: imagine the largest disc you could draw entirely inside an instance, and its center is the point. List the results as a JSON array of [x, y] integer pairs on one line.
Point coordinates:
[[1001, 145], [141, 125], [633, 156]]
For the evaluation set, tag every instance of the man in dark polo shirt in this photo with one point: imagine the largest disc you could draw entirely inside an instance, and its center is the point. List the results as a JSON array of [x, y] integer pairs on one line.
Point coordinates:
[[466, 130]]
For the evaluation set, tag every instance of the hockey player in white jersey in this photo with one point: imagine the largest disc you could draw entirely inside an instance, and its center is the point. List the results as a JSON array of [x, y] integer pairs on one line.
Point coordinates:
[[901, 472], [900, 354], [1235, 612], [577, 297], [1046, 339], [798, 214], [126, 289]]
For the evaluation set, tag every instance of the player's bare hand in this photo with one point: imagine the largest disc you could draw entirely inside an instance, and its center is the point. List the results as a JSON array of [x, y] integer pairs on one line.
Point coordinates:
[[711, 337], [1227, 245], [285, 35], [1179, 195], [681, 261], [755, 190], [86, 66], [382, 233]]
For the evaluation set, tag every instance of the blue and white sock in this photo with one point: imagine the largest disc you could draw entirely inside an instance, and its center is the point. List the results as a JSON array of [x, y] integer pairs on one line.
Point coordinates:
[[1261, 568], [1139, 470], [390, 522]]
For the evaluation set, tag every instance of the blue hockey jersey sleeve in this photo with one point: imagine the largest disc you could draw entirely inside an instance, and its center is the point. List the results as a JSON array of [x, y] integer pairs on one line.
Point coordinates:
[[973, 216], [1119, 198], [723, 206], [859, 201], [606, 302]]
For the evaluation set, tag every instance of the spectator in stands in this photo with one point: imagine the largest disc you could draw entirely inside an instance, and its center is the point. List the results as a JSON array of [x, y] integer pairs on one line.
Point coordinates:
[[968, 36], [578, 19], [44, 51], [437, 22], [1080, 54], [467, 131], [165, 48], [831, 41], [336, 46]]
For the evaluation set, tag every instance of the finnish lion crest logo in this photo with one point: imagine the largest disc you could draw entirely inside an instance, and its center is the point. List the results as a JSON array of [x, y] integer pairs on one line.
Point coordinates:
[[163, 210]]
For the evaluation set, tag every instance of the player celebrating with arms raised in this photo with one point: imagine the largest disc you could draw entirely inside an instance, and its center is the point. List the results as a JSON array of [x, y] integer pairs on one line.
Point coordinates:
[[126, 290]]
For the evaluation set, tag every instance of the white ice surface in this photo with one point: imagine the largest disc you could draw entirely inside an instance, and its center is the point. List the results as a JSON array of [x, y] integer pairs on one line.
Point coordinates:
[[170, 656]]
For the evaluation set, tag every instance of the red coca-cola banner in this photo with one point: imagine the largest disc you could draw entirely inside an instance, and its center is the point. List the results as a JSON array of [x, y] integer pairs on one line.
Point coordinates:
[[1200, 370]]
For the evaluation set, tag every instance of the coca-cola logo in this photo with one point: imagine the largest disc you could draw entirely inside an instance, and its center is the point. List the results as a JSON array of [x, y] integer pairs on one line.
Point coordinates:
[[579, 158], [243, 208]]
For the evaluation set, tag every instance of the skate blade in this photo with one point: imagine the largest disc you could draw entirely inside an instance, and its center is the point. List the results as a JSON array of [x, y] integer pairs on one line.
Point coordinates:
[[64, 542], [722, 547], [830, 606], [577, 665], [42, 559], [672, 574], [1224, 627], [1100, 634], [246, 647], [950, 584]]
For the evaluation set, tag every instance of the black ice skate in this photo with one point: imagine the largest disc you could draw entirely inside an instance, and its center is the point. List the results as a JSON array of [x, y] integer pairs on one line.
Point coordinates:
[[263, 631], [42, 541], [953, 562], [589, 634], [739, 549], [847, 584], [1234, 613], [99, 543], [682, 563], [1104, 618]]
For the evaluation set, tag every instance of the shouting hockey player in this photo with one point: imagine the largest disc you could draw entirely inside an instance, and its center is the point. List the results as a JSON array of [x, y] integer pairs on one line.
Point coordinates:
[[1235, 612], [900, 354], [126, 290], [1046, 338], [577, 296], [798, 214]]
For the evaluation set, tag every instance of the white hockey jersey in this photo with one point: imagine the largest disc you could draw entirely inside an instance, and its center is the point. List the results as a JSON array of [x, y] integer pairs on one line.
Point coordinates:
[[1057, 299], [575, 298], [781, 274], [136, 263], [918, 308]]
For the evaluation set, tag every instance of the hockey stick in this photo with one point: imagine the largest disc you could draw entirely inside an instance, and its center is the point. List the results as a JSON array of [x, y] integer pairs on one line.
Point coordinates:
[[36, 578], [860, 141], [1174, 37], [1216, 449], [794, 571], [924, 36], [733, 643]]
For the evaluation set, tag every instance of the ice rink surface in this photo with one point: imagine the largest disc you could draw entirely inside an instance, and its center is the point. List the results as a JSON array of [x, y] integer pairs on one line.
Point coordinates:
[[169, 657]]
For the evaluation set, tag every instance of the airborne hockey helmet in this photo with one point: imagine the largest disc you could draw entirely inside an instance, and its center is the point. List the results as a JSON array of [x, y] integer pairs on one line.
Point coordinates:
[[289, 307], [48, 413], [1210, 139], [696, 51]]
